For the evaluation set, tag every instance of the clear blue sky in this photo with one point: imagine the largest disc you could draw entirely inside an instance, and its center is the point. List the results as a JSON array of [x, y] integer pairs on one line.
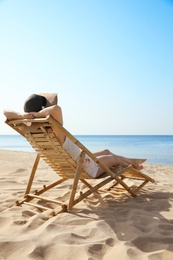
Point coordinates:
[[110, 61]]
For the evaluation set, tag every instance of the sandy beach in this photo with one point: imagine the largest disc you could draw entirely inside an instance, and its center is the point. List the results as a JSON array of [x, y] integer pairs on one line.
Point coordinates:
[[123, 228]]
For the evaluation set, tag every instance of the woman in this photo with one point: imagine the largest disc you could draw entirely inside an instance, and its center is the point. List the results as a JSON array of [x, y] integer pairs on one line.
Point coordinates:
[[37, 106]]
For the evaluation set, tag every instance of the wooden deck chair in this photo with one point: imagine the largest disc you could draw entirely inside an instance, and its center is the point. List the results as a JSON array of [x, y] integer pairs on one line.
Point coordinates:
[[40, 135]]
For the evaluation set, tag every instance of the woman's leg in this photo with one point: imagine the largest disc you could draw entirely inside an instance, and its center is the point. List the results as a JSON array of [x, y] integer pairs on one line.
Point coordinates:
[[118, 160], [102, 152], [135, 162], [110, 161]]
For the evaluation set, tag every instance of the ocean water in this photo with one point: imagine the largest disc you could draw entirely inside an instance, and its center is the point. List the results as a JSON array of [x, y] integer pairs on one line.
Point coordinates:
[[158, 149]]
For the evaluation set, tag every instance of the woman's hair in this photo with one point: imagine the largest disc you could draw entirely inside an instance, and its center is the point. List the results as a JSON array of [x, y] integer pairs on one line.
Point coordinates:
[[34, 103]]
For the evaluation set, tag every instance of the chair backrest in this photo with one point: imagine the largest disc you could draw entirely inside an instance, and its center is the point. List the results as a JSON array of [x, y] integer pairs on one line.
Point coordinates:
[[43, 140]]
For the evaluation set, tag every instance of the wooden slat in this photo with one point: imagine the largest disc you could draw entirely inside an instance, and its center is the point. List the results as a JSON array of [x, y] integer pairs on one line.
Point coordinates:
[[44, 198]]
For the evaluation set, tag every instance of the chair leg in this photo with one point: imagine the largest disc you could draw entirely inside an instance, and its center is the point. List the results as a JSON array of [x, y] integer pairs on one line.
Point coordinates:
[[34, 168], [76, 179]]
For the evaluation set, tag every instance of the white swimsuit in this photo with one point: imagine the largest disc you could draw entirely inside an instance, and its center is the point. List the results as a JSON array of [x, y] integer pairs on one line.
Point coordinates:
[[74, 151]]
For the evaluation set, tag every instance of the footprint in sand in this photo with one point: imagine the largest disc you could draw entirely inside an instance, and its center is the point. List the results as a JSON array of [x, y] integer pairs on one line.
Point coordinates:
[[97, 249], [134, 253], [100, 249], [20, 222], [166, 229], [150, 244], [28, 213]]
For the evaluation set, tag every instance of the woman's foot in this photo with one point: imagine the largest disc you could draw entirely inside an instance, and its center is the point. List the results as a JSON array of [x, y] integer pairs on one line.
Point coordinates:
[[137, 163]]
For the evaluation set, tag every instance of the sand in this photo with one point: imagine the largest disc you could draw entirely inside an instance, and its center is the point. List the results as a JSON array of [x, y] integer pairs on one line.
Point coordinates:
[[123, 228]]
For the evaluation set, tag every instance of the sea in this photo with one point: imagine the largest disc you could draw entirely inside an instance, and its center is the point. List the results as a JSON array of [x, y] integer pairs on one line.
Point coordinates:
[[157, 149]]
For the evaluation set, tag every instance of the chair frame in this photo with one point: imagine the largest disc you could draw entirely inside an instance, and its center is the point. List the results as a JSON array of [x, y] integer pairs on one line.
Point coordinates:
[[39, 134]]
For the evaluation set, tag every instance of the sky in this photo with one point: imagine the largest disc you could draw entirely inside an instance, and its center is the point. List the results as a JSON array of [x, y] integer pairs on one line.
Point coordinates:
[[109, 61]]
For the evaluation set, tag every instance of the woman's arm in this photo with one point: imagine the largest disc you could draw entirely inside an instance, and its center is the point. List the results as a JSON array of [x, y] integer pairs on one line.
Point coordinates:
[[10, 115], [54, 111]]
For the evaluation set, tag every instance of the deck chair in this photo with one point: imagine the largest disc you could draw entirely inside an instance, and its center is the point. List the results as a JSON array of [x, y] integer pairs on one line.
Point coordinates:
[[40, 135]]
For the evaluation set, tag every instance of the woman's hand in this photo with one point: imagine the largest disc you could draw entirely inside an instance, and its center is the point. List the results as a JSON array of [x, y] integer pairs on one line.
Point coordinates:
[[28, 115]]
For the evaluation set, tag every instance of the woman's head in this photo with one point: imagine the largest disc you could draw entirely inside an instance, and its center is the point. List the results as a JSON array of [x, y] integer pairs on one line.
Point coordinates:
[[34, 103]]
